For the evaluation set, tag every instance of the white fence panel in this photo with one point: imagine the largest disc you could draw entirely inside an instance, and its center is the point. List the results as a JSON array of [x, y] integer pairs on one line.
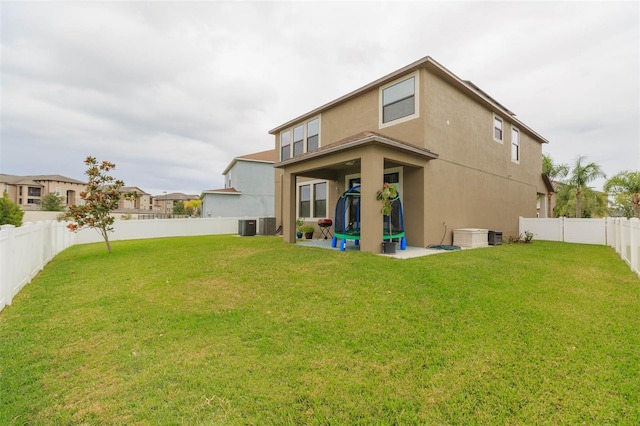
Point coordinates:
[[626, 241], [634, 243], [6, 271], [585, 231], [24, 251], [543, 228], [158, 228]]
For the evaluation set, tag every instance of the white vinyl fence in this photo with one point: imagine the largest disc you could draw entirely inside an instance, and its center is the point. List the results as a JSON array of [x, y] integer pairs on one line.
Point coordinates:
[[25, 250], [620, 233]]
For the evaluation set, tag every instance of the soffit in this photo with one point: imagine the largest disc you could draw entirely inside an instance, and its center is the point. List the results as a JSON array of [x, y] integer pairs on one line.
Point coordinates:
[[357, 141]]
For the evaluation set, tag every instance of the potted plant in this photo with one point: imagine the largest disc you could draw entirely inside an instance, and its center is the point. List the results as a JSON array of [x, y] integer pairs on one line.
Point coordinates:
[[386, 195], [307, 230], [299, 223]]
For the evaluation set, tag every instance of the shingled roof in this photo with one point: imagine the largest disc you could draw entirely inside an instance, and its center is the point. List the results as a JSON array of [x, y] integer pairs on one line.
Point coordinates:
[[31, 179], [268, 156]]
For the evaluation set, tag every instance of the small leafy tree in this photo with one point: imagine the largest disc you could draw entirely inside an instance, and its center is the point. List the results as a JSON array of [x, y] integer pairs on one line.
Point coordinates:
[[51, 203], [101, 197], [192, 208], [387, 195], [10, 212], [178, 208]]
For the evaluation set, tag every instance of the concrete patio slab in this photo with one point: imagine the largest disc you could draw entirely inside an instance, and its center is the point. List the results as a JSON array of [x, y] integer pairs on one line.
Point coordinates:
[[409, 253]]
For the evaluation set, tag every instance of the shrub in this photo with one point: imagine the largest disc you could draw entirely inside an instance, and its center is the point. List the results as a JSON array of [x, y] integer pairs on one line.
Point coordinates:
[[10, 212]]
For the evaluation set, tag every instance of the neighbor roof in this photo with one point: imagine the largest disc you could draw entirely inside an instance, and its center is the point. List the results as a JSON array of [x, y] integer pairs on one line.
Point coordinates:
[[176, 196], [132, 189], [268, 156], [231, 191], [429, 63], [27, 180]]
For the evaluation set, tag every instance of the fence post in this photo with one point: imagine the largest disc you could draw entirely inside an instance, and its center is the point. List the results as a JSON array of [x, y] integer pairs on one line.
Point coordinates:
[[6, 264], [619, 236], [633, 242], [611, 232]]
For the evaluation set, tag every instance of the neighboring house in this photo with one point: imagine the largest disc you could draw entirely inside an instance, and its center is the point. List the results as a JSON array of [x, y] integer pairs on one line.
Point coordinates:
[[142, 202], [165, 203], [27, 191], [248, 188], [459, 158]]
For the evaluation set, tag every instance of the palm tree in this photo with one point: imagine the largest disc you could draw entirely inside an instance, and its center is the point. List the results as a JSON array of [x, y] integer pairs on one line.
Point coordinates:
[[556, 173], [581, 175], [626, 186]]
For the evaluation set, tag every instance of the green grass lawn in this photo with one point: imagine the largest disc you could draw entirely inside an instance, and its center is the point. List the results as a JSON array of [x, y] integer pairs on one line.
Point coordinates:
[[231, 330]]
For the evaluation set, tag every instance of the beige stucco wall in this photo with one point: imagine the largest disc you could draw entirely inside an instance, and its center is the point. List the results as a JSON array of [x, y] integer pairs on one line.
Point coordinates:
[[74, 195], [70, 192], [473, 184]]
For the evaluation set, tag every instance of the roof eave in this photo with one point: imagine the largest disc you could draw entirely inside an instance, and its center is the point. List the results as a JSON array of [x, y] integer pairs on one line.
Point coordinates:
[[356, 144]]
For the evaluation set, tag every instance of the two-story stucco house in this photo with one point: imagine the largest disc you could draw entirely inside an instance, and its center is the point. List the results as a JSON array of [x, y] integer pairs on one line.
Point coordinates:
[[459, 158], [164, 204], [142, 202], [248, 188], [28, 191]]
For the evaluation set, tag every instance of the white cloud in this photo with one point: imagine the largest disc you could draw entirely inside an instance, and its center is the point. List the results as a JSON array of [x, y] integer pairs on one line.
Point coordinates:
[[172, 91]]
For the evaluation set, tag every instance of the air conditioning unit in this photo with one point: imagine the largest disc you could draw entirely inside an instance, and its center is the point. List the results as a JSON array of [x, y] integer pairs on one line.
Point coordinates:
[[267, 226], [247, 228]]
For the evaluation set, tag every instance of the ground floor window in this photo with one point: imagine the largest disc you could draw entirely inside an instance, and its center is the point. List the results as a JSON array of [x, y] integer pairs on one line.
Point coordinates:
[[312, 199]]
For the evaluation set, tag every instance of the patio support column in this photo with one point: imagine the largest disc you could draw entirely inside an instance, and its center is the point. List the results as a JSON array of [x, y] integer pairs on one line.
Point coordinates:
[[289, 207], [372, 176]]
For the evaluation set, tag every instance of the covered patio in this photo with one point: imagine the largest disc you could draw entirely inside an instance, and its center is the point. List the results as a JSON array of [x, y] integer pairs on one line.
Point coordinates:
[[367, 155]]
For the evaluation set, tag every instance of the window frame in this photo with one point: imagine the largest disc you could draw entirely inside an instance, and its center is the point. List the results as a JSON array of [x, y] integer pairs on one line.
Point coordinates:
[[33, 191], [304, 141], [416, 100], [516, 146], [307, 136], [493, 128], [288, 145], [312, 199], [316, 199], [298, 142]]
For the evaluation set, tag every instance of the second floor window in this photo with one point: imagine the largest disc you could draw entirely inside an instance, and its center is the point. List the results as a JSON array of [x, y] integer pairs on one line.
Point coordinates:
[[515, 145], [313, 134], [497, 128], [285, 145], [34, 192], [398, 100], [304, 137], [298, 140]]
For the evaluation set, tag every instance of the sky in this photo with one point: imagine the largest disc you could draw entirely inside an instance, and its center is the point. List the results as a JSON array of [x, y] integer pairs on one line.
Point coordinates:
[[171, 92]]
